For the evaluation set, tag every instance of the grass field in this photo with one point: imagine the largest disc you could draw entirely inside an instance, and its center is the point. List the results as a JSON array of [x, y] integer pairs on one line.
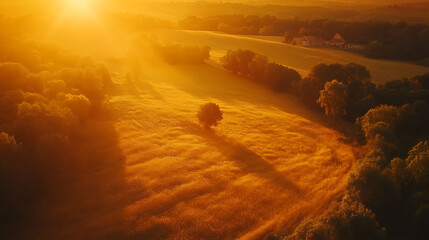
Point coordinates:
[[297, 57], [269, 164]]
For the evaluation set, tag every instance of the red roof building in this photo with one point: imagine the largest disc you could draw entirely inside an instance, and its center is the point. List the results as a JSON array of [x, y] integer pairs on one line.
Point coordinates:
[[338, 41]]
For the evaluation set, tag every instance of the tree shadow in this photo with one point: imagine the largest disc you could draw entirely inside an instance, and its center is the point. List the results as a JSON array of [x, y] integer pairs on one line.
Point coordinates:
[[86, 196], [248, 161], [136, 85]]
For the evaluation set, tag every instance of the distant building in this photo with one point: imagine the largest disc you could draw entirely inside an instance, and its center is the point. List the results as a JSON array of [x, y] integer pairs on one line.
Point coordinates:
[[338, 41], [312, 41]]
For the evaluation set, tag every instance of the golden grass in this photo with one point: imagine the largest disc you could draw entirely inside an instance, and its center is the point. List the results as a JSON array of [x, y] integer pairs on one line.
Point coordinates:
[[270, 162], [265, 167]]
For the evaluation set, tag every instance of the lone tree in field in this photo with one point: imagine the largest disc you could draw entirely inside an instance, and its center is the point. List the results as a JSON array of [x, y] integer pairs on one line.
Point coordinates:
[[209, 115]]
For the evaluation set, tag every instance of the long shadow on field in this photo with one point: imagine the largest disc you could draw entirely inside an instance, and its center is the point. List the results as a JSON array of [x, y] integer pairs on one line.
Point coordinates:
[[248, 161], [84, 195], [138, 85]]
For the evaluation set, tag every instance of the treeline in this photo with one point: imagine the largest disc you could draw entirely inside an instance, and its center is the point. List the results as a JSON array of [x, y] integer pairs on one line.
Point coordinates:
[[182, 54], [354, 97], [257, 68], [386, 197], [387, 194], [400, 40], [47, 97]]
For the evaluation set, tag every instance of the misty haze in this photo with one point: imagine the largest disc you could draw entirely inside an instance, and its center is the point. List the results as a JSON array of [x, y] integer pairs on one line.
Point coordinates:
[[236, 119]]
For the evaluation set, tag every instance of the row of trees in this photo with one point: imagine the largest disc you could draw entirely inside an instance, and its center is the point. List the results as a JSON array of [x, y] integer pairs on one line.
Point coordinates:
[[387, 195], [345, 93], [182, 54], [257, 68], [400, 40]]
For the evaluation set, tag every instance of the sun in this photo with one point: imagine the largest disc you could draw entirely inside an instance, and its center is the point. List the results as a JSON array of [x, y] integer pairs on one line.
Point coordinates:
[[73, 13], [77, 3], [78, 7]]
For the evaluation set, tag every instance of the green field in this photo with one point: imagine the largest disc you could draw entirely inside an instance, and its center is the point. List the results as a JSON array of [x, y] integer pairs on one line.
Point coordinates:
[[297, 57]]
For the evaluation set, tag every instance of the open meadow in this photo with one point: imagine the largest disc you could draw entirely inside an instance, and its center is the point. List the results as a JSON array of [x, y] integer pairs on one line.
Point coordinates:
[[180, 181], [185, 179]]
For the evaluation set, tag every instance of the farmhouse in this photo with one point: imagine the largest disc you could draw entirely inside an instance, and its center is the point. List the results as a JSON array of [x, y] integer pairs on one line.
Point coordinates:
[[338, 41], [312, 41]]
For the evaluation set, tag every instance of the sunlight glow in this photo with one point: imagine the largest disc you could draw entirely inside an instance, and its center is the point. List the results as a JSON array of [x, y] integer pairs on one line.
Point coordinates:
[[74, 18], [78, 9], [208, 119]]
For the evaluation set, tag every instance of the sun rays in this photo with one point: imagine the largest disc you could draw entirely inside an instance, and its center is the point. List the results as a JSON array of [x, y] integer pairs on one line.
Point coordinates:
[[74, 13]]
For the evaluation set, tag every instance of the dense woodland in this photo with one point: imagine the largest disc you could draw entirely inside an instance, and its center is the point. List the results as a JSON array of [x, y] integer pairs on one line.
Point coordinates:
[[403, 41], [51, 101], [387, 194]]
